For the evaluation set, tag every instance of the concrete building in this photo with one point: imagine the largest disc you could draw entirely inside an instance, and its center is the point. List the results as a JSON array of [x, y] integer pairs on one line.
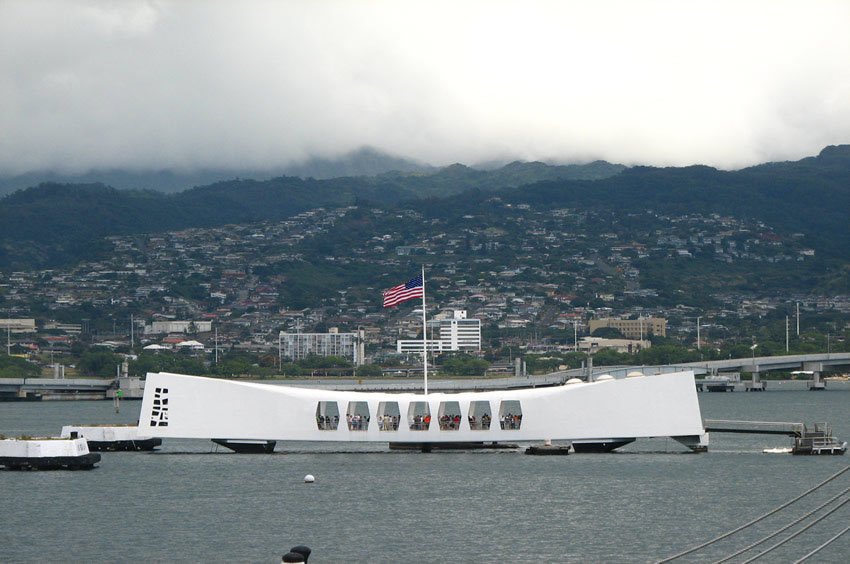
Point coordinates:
[[297, 346], [460, 333], [457, 333], [593, 344], [632, 328], [409, 346], [17, 325], [159, 327]]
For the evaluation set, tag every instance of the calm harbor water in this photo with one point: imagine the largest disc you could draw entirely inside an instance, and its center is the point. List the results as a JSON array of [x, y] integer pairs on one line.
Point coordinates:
[[190, 502]]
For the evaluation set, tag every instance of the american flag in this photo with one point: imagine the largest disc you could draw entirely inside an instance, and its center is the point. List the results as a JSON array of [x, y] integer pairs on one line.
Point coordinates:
[[414, 288]]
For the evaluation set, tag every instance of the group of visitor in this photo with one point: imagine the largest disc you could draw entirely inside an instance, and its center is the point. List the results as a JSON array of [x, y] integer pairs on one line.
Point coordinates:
[[482, 424], [357, 422], [327, 423], [421, 423], [450, 422], [511, 421], [388, 423]]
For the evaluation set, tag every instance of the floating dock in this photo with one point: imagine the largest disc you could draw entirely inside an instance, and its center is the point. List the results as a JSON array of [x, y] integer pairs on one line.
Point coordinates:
[[110, 437], [818, 440], [46, 453], [548, 449], [814, 440]]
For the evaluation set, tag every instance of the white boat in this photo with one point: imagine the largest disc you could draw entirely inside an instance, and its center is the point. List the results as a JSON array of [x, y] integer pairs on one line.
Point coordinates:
[[778, 450], [719, 384], [663, 405]]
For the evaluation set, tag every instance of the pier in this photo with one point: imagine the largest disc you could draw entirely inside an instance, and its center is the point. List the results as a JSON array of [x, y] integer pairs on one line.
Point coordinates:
[[754, 427], [817, 439]]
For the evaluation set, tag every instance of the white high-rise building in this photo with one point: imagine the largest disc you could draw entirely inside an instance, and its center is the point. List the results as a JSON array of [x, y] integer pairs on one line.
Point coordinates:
[[460, 333], [297, 346], [457, 333]]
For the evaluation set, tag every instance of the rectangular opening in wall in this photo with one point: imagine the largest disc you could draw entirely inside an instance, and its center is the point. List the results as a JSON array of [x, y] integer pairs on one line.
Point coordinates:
[[357, 416], [510, 415], [327, 416], [388, 416], [419, 416], [479, 415]]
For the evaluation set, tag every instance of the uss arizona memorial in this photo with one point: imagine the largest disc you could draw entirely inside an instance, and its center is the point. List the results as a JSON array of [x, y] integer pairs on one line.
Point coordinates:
[[606, 411]]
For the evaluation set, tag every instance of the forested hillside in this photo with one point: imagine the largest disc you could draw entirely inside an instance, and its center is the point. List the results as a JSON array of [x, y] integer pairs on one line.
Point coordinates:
[[54, 224]]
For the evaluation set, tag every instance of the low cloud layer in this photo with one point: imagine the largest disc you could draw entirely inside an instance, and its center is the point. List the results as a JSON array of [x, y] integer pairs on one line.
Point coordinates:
[[214, 84]]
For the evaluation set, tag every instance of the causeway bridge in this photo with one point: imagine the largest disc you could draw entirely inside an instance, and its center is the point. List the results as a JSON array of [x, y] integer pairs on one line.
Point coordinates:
[[24, 389], [811, 364]]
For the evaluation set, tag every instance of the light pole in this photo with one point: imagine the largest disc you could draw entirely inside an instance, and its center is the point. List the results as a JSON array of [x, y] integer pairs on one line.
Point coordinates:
[[798, 320], [786, 334], [753, 348], [575, 335], [698, 343]]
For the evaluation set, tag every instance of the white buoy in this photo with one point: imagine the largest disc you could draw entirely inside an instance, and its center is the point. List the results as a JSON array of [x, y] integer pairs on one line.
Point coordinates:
[[309, 479]]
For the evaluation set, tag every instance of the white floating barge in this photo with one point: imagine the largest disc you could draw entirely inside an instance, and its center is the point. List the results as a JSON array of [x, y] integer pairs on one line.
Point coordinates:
[[46, 454], [607, 411], [111, 437], [818, 440]]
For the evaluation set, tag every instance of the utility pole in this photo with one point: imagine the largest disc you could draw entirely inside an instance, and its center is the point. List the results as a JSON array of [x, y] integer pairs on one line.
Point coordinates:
[[698, 343], [798, 319], [575, 335], [786, 334], [132, 340]]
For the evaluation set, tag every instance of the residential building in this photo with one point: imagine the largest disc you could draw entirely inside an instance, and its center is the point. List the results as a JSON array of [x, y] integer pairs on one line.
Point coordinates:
[[159, 327], [593, 344], [18, 325], [632, 328], [297, 346]]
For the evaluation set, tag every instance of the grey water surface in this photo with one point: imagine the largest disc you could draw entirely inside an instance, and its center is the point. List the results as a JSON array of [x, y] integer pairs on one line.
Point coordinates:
[[192, 501]]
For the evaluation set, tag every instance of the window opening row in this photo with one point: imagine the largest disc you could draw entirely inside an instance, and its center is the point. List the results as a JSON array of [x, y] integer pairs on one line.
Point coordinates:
[[449, 416]]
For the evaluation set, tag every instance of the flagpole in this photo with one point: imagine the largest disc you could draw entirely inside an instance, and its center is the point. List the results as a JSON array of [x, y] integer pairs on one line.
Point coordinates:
[[424, 334]]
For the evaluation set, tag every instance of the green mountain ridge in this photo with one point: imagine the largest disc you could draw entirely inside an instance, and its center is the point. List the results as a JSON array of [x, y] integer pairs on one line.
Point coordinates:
[[55, 224], [366, 162]]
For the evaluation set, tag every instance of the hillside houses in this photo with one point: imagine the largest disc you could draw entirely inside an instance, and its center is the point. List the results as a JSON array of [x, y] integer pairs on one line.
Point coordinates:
[[533, 269]]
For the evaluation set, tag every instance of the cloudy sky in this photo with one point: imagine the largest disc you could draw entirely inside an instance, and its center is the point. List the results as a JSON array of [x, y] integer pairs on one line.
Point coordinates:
[[253, 84]]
